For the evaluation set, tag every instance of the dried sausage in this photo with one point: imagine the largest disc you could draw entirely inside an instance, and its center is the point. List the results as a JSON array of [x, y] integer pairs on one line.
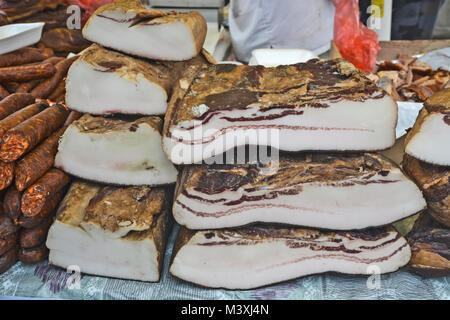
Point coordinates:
[[13, 103], [11, 204], [27, 72], [6, 174], [36, 163], [24, 56], [33, 255], [46, 87], [20, 116], [35, 197], [24, 137]]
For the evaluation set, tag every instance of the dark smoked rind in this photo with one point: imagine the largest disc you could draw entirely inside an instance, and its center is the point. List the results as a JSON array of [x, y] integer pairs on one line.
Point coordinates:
[[326, 168], [430, 249], [434, 181], [286, 88]]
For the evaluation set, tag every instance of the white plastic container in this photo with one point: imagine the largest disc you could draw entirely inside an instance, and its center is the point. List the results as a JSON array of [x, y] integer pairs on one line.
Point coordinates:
[[276, 57], [19, 35]]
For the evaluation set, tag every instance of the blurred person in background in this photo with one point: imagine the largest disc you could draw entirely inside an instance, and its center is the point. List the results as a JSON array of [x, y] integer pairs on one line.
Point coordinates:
[[303, 24]]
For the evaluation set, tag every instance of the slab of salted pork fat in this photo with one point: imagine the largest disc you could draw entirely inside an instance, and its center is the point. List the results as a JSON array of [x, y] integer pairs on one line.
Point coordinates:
[[317, 105], [254, 256], [434, 181], [340, 191], [429, 139], [103, 81], [128, 26], [111, 231], [115, 151]]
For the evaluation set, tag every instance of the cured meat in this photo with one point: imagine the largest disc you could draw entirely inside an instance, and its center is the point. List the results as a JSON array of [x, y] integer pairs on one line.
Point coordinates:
[[253, 257], [3, 92], [13, 103], [33, 255], [24, 56], [102, 81], [47, 86], [429, 138], [25, 136], [6, 174], [430, 248], [63, 40], [7, 226], [11, 204], [340, 192], [46, 212], [26, 87], [111, 231], [127, 26], [318, 105], [27, 72], [36, 163], [115, 151], [16, 10], [434, 181], [7, 242], [8, 259], [59, 93], [36, 196], [53, 18], [20, 116], [36, 236]]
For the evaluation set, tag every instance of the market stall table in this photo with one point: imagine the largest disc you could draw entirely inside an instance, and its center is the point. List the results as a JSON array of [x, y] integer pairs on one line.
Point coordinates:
[[45, 281]]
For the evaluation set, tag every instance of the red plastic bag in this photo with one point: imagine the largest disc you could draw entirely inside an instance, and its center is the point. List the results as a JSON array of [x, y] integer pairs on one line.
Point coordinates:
[[356, 43], [89, 6]]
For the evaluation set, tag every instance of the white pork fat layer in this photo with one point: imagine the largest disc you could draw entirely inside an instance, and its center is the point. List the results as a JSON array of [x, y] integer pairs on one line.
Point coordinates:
[[93, 91], [125, 157], [342, 126], [367, 203], [103, 256], [268, 261], [169, 41], [432, 143]]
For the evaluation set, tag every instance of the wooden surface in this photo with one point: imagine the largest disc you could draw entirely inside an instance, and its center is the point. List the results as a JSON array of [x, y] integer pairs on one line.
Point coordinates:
[[392, 49]]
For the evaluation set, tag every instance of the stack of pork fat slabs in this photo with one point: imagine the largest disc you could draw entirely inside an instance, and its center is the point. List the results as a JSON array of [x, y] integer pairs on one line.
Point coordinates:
[[115, 219], [251, 224], [427, 161]]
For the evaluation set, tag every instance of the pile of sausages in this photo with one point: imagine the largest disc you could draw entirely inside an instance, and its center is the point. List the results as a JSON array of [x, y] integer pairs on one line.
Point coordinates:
[[30, 189], [55, 34], [36, 71], [408, 79]]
